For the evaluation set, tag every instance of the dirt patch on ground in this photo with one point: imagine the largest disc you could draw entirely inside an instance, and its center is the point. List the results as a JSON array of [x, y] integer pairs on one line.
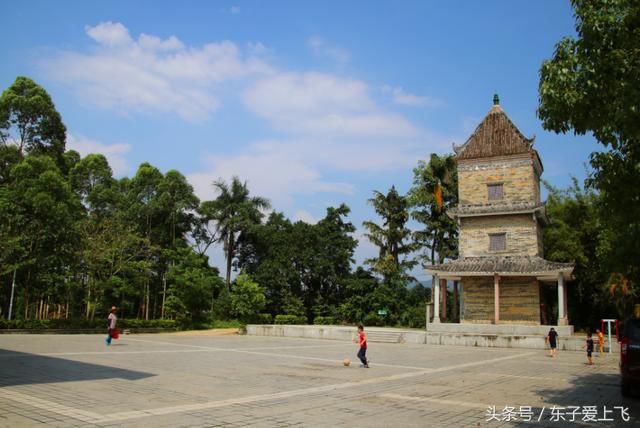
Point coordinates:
[[212, 332]]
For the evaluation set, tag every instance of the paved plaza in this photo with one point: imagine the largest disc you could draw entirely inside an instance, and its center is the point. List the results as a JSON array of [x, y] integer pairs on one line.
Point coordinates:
[[208, 380]]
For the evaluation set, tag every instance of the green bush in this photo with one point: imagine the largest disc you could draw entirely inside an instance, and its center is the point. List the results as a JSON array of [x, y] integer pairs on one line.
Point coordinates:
[[222, 305], [414, 317], [247, 298], [135, 323], [75, 324], [290, 319], [373, 320], [263, 319], [324, 320]]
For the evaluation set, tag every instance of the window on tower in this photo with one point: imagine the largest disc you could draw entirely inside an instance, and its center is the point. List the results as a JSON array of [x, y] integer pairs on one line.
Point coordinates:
[[497, 241], [494, 191]]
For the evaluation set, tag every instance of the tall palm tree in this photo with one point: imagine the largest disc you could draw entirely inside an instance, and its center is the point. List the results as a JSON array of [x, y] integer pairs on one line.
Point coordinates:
[[390, 237], [434, 191], [233, 211]]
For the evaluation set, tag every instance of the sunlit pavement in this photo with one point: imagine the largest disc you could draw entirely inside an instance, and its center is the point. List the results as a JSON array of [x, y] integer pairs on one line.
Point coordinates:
[[172, 380]]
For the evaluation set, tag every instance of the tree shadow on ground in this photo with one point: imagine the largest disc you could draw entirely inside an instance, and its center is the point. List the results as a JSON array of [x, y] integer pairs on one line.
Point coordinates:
[[20, 368], [589, 393]]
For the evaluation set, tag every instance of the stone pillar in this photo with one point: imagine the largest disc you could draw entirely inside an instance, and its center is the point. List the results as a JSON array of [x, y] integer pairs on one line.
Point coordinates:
[[496, 298], [436, 299], [454, 309], [443, 293], [461, 293], [562, 301]]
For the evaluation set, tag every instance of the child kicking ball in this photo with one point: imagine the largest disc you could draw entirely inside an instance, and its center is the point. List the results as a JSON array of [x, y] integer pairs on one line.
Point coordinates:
[[362, 353]]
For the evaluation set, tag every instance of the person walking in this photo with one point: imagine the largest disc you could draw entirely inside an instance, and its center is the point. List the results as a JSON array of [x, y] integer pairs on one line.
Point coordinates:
[[552, 340], [600, 342], [362, 353], [112, 330], [589, 346]]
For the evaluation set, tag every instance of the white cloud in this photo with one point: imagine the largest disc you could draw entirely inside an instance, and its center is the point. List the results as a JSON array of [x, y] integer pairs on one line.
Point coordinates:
[[348, 156], [280, 170], [151, 74], [109, 34], [321, 47], [323, 104], [234, 10], [271, 174], [305, 216], [115, 153], [401, 97]]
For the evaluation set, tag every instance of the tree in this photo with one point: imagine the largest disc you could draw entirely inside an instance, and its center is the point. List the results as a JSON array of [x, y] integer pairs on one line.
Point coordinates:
[[29, 119], [111, 247], [434, 192], [391, 237], [577, 234], [234, 211], [176, 198], [192, 283], [92, 179], [591, 85], [247, 297], [144, 211], [41, 216]]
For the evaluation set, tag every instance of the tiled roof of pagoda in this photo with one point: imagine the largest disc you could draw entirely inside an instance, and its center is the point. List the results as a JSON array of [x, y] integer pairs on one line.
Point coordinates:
[[530, 265], [496, 135]]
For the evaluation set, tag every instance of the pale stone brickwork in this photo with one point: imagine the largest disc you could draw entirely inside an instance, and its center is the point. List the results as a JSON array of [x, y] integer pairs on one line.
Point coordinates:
[[519, 300], [517, 174], [523, 237], [477, 293]]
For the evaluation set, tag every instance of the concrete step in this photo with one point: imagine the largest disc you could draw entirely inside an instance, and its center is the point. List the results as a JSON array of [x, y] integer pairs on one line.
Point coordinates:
[[384, 336]]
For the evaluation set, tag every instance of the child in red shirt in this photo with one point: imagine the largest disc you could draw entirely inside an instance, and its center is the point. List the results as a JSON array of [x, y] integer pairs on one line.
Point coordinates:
[[363, 346]]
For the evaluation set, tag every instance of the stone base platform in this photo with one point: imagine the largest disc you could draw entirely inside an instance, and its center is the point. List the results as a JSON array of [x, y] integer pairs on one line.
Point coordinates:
[[501, 329], [566, 342]]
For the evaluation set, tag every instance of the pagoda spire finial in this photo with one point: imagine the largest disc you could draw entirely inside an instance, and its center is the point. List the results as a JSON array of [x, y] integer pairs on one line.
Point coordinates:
[[496, 99]]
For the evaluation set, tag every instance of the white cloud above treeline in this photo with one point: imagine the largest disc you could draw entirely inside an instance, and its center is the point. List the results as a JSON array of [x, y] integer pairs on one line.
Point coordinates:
[[316, 104], [115, 153], [151, 74], [401, 97], [321, 123]]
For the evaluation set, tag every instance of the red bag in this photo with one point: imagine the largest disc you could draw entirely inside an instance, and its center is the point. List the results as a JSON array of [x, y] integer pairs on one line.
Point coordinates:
[[114, 333]]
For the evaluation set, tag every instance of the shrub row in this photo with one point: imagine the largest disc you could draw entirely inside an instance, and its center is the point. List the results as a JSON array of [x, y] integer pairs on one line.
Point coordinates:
[[290, 319], [98, 324], [324, 320]]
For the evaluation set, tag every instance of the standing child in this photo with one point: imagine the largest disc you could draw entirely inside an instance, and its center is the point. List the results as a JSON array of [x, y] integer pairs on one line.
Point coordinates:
[[589, 346], [552, 339], [362, 338], [600, 342], [111, 328]]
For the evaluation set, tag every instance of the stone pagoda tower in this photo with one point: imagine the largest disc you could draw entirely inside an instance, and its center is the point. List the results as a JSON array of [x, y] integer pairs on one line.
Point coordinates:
[[500, 217]]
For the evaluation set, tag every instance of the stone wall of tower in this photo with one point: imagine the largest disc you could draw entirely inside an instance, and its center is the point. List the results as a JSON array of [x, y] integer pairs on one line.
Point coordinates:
[[519, 300], [517, 174], [522, 235]]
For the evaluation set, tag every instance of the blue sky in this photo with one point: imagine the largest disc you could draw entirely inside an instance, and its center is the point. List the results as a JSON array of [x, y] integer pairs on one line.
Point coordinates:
[[313, 103]]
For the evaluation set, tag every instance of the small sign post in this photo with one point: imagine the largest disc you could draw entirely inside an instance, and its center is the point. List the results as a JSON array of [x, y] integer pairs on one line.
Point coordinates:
[[609, 321]]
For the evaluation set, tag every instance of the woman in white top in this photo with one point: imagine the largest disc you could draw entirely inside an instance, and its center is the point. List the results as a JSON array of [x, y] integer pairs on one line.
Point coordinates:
[[112, 319]]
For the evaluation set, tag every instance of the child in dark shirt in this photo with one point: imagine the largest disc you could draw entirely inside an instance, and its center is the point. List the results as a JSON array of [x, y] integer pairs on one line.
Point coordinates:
[[589, 346], [552, 338]]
